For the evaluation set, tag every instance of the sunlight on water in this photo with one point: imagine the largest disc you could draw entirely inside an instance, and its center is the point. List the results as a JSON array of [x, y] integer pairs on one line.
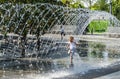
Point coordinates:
[[81, 65], [57, 74]]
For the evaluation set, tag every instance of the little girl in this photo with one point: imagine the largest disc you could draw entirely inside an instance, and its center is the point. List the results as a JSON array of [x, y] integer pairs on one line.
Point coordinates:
[[72, 48]]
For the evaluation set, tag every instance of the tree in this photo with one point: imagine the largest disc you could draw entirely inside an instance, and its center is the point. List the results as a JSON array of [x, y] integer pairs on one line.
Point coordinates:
[[116, 8], [88, 3], [101, 5], [72, 3]]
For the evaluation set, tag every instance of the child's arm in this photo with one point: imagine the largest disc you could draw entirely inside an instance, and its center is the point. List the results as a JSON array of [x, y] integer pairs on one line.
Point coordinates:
[[77, 43], [68, 46]]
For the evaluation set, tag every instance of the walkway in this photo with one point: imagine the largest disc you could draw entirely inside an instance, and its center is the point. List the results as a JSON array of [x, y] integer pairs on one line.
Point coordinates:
[[115, 75], [83, 68], [96, 38]]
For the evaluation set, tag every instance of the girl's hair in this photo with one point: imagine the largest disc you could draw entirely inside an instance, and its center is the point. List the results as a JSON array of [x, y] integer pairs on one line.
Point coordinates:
[[71, 38]]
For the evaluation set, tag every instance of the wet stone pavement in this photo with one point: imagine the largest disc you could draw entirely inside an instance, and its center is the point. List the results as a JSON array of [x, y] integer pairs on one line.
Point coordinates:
[[82, 68]]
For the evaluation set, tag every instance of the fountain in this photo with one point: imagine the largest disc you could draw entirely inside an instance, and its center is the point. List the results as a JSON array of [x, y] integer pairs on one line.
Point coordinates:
[[30, 44]]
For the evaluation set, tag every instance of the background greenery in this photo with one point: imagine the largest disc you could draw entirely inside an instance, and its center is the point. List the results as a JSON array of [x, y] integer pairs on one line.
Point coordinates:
[[103, 5], [98, 4], [98, 26]]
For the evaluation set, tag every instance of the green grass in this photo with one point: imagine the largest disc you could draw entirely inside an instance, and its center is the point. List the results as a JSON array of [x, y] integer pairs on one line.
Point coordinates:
[[98, 26]]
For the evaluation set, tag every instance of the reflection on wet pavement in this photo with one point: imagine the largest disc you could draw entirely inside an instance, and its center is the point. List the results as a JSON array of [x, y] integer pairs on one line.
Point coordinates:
[[115, 75], [62, 67]]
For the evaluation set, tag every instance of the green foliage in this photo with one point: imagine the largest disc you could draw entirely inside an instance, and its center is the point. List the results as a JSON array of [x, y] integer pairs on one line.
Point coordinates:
[[116, 8], [76, 5], [72, 3], [32, 1], [105, 6], [101, 5], [98, 26]]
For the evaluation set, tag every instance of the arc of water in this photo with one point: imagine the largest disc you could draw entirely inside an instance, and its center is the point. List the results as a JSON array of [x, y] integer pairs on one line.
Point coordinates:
[[84, 25], [67, 19], [41, 20], [26, 24], [10, 22], [96, 17], [51, 25], [52, 22], [7, 12], [38, 25], [51, 17]]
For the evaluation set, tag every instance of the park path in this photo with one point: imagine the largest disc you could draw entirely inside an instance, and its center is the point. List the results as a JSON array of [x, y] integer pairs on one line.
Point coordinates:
[[96, 38], [115, 75]]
